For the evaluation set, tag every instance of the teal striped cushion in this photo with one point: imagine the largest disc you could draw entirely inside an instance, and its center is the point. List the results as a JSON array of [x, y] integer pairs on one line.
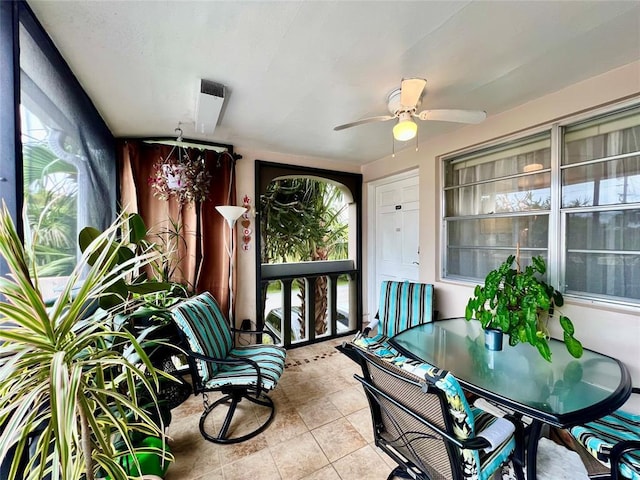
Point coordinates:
[[206, 330], [378, 345], [599, 437], [269, 358], [404, 305]]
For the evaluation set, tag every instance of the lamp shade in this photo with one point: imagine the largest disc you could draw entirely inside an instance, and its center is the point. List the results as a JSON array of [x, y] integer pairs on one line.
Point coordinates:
[[230, 212], [406, 128]]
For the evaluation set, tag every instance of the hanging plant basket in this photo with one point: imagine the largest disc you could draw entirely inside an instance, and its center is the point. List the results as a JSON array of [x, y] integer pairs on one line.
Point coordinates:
[[181, 177]]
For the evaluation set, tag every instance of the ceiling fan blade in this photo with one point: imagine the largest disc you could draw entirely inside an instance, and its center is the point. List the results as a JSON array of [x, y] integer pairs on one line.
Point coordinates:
[[460, 116], [380, 118], [410, 91]]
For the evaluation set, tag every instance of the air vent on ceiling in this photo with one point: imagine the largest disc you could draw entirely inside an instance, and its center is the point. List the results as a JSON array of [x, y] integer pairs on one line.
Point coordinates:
[[208, 106]]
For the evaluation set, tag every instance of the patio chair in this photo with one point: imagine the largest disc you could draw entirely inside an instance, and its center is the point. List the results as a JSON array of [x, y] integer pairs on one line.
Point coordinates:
[[422, 420], [216, 365], [402, 306], [615, 441]]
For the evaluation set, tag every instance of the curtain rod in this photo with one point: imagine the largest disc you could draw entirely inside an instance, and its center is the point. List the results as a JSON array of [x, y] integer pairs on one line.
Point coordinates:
[[172, 142]]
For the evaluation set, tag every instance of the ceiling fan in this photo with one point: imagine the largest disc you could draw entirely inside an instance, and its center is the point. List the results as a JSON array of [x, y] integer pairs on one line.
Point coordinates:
[[403, 103]]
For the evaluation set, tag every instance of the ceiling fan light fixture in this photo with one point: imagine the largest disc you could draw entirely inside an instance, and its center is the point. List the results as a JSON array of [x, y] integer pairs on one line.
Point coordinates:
[[406, 128]]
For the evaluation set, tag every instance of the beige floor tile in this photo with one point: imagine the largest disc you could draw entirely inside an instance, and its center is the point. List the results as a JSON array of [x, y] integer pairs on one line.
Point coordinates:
[[278, 395], [317, 413], [361, 420], [183, 434], [321, 415], [363, 464], [387, 459], [235, 451], [192, 406], [349, 400], [298, 457], [212, 475], [201, 458], [338, 438], [325, 473], [333, 383], [286, 424], [259, 466]]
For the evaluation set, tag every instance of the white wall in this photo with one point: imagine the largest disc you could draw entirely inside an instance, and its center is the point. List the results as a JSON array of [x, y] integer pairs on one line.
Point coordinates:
[[613, 331]]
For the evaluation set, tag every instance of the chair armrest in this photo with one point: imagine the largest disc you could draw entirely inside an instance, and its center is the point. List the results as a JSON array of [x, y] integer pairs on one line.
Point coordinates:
[[221, 361], [373, 324], [230, 361], [349, 349], [618, 451], [496, 433], [518, 427]]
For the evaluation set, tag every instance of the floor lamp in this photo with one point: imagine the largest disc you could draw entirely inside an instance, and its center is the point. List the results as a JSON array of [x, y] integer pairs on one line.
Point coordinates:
[[230, 214]]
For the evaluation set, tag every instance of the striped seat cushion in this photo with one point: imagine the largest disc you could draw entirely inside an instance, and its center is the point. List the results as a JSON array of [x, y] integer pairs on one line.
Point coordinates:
[[206, 331], [404, 305], [599, 437], [270, 360], [378, 345]]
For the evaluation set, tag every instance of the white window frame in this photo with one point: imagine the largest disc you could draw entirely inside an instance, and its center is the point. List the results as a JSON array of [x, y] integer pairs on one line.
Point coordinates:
[[556, 249]]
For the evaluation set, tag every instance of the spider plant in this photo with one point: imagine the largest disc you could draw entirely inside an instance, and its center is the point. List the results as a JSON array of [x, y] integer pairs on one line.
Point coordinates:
[[70, 381]]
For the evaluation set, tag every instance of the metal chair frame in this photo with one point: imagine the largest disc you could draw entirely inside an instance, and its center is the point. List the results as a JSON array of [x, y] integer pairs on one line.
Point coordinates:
[[235, 394], [232, 394], [416, 467]]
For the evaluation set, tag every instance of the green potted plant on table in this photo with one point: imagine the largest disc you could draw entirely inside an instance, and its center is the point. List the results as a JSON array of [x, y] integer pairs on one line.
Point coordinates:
[[518, 303], [69, 380]]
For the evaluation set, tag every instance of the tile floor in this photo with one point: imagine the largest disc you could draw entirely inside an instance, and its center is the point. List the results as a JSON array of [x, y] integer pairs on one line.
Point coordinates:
[[321, 431]]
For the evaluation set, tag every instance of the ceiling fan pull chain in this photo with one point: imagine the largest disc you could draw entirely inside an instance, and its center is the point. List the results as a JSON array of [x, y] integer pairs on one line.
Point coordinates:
[[417, 142], [393, 147]]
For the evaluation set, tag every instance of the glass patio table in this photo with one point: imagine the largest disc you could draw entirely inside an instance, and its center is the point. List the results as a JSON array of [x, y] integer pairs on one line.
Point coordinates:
[[565, 392]]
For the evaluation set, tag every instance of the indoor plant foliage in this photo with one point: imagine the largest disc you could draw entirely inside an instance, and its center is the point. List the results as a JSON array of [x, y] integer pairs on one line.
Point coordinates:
[[70, 379], [518, 303]]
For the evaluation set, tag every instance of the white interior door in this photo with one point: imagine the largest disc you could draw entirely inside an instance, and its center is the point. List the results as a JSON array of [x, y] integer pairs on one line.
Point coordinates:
[[397, 233]]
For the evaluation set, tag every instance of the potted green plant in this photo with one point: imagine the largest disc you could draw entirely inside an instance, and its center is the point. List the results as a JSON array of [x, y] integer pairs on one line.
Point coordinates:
[[153, 287], [135, 282], [517, 302], [69, 380]]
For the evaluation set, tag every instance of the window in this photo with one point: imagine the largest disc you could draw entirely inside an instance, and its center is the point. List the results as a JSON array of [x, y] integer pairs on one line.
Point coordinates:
[[600, 176], [495, 200], [50, 199], [68, 157], [579, 209]]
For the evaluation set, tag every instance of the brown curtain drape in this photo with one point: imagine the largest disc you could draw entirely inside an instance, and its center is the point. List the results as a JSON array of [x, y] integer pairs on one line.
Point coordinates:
[[201, 260]]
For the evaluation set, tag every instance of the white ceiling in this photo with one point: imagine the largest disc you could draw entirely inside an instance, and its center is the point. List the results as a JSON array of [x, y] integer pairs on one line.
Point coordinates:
[[294, 70]]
